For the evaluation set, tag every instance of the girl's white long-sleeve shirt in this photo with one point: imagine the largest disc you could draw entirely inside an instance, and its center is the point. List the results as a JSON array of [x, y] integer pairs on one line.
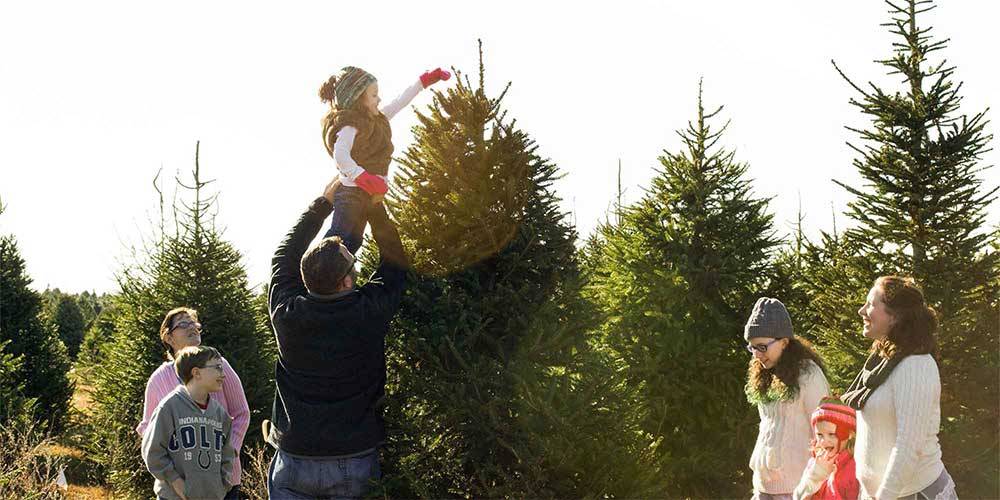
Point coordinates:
[[897, 449], [782, 449], [349, 169]]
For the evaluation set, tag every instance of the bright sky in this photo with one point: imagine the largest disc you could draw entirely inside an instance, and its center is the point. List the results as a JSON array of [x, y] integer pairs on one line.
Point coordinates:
[[95, 97]]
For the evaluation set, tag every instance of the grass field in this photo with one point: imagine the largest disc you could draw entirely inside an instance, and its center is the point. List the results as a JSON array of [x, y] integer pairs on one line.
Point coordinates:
[[81, 472]]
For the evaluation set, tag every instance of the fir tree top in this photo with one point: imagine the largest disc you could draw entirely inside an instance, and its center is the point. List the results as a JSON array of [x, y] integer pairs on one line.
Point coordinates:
[[926, 207], [470, 181], [701, 214]]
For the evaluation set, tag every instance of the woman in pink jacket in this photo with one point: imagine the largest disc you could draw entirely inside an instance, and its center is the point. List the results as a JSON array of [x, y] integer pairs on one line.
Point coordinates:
[[181, 329]]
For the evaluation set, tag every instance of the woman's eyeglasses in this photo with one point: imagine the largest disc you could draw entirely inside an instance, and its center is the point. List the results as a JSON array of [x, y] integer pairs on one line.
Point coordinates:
[[186, 325], [761, 348]]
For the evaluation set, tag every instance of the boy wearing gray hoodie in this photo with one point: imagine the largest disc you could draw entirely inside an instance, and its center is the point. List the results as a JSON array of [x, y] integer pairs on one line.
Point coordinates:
[[186, 445]]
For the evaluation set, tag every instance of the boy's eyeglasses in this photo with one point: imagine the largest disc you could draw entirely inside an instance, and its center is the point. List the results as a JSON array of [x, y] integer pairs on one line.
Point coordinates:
[[217, 368], [761, 348]]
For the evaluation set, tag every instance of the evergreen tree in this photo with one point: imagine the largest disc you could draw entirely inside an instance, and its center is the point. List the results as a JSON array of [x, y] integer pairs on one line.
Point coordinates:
[[267, 343], [837, 276], [487, 391], [67, 318], [789, 264], [99, 334], [13, 403], [91, 306], [921, 213], [72, 315], [676, 275], [194, 267], [43, 364], [14, 406]]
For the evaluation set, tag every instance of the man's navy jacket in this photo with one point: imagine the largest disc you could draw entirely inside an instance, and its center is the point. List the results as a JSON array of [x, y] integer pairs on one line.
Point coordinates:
[[330, 373]]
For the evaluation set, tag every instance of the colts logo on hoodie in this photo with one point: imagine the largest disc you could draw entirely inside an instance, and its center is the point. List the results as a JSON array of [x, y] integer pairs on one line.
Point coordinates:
[[201, 433]]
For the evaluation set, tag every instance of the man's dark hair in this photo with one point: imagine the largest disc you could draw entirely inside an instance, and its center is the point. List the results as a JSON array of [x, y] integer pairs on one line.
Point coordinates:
[[324, 266]]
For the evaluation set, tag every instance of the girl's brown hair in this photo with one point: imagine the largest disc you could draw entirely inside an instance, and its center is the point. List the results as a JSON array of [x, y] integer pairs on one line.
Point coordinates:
[[914, 322], [781, 382], [328, 91], [328, 94], [168, 323]]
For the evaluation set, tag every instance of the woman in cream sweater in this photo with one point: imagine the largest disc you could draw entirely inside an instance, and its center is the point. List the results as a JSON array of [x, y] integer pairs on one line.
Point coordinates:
[[897, 397]]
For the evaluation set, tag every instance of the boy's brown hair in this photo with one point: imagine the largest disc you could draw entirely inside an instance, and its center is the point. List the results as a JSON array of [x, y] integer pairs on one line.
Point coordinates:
[[189, 358]]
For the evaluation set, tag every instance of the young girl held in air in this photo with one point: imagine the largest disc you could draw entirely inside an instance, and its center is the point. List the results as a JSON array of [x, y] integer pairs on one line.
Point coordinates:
[[357, 135]]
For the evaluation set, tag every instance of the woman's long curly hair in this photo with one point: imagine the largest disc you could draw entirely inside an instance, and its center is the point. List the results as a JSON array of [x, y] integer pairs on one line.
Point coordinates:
[[914, 322], [781, 383]]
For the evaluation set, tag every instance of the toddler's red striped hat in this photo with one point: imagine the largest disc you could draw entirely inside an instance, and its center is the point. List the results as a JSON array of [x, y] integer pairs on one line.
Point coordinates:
[[832, 409]]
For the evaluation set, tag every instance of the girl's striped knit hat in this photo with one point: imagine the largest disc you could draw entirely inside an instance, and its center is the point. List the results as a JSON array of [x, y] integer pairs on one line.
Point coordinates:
[[832, 409], [351, 83]]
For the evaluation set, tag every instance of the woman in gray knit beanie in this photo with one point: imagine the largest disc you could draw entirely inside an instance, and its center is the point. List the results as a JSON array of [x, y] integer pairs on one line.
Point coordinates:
[[785, 380]]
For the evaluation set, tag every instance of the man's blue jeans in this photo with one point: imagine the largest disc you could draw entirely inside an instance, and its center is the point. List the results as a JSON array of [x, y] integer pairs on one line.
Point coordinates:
[[296, 478]]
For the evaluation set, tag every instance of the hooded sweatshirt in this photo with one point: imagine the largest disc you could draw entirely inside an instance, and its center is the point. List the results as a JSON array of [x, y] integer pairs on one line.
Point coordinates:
[[183, 441], [231, 397]]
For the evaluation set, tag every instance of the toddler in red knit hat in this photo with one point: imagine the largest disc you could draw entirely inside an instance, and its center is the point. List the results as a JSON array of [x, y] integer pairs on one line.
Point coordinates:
[[830, 473]]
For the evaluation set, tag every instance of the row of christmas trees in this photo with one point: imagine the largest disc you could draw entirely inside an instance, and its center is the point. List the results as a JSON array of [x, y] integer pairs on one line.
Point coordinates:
[[520, 365]]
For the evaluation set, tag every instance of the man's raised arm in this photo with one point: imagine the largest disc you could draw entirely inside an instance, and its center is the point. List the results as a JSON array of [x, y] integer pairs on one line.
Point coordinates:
[[286, 276], [390, 247], [389, 280]]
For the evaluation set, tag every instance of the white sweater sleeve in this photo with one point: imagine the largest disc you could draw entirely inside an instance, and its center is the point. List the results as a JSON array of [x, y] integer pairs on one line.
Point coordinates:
[[813, 388], [812, 479], [757, 457], [342, 153], [916, 391], [397, 105]]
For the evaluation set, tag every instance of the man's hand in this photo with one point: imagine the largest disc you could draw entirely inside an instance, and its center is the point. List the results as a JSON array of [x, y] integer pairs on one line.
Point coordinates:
[[331, 188], [178, 486]]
